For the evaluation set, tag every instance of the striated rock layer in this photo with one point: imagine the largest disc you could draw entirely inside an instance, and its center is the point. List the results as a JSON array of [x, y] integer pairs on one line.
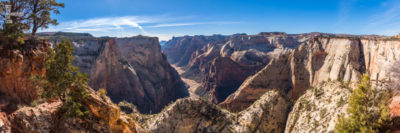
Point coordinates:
[[222, 63], [318, 60], [16, 68], [130, 69]]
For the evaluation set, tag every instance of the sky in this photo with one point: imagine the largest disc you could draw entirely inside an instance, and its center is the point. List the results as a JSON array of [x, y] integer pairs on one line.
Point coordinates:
[[168, 18]]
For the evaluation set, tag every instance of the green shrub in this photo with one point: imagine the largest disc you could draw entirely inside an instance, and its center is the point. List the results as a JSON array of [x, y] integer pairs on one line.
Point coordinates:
[[34, 103], [12, 35], [341, 102], [63, 80], [368, 111], [102, 92], [323, 113]]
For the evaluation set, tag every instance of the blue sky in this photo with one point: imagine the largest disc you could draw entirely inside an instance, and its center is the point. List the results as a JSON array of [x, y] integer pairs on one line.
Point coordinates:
[[167, 18]]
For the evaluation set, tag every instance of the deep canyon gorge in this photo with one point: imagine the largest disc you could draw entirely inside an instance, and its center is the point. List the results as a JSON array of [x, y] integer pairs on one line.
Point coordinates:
[[217, 83]]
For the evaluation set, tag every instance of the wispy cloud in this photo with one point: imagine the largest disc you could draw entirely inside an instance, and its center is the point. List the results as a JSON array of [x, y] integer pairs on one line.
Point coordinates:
[[189, 24], [102, 24], [127, 25]]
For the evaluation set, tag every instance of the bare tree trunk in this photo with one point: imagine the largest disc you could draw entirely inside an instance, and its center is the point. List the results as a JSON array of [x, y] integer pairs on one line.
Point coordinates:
[[34, 30], [35, 23]]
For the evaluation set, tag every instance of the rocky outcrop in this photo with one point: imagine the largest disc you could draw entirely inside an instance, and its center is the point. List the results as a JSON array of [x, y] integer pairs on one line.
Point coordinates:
[[35, 119], [5, 126], [268, 114], [130, 69], [318, 109], [318, 60], [242, 55], [103, 116], [223, 78], [394, 107], [274, 75], [17, 66]]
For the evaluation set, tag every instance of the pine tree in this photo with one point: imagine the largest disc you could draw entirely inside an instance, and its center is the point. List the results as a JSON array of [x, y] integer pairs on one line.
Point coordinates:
[[63, 80], [40, 13], [367, 110]]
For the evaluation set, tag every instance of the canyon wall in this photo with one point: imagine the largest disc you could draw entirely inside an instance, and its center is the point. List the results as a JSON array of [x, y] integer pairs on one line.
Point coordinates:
[[130, 69], [318, 73], [17, 67], [319, 60], [222, 63]]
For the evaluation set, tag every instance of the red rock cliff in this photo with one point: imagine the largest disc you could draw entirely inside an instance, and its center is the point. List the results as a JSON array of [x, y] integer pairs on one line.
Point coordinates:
[[17, 66]]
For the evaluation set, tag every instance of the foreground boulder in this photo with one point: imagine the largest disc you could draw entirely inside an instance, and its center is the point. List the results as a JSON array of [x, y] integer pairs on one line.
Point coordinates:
[[103, 116]]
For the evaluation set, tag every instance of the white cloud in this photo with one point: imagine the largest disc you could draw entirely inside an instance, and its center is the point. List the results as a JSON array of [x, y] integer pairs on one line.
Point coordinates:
[[125, 26], [188, 24], [101, 24]]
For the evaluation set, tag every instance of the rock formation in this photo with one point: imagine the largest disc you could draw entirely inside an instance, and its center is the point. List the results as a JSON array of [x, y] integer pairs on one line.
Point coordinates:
[[103, 116], [318, 73], [318, 109], [130, 69], [5, 126], [17, 66], [318, 60], [268, 114], [241, 55]]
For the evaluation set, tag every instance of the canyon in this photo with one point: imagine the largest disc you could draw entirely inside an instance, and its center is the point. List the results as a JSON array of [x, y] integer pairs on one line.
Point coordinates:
[[221, 63], [130, 69], [320, 60], [269, 82]]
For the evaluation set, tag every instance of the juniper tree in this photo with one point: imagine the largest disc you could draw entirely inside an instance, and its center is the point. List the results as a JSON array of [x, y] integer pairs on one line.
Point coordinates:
[[367, 110], [39, 15], [63, 80]]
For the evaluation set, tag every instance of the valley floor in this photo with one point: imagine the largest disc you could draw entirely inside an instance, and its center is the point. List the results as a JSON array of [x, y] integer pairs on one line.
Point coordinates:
[[191, 83]]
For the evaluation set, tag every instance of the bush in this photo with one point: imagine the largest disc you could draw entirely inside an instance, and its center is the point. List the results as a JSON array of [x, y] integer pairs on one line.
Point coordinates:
[[368, 111], [12, 36], [34, 103], [102, 92], [63, 80], [340, 103], [323, 113]]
